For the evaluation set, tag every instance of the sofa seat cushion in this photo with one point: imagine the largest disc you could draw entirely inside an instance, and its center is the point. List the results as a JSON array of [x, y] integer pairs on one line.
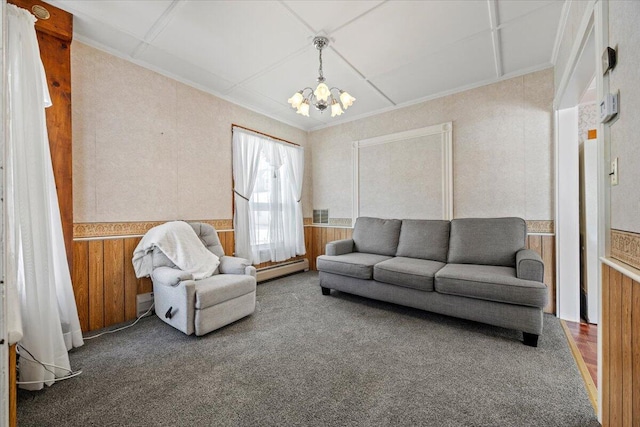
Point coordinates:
[[491, 283], [222, 287], [407, 272], [356, 264]]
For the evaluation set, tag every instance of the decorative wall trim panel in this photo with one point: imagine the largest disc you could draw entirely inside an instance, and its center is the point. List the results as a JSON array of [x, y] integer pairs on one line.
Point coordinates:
[[83, 230], [533, 227], [110, 229], [340, 222], [541, 226], [625, 246]]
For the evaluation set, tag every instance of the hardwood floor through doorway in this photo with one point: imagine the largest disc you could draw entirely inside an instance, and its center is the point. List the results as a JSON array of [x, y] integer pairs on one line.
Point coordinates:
[[583, 340]]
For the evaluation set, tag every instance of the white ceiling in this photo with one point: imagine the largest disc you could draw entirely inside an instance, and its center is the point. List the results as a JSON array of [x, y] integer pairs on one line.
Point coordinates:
[[385, 53]]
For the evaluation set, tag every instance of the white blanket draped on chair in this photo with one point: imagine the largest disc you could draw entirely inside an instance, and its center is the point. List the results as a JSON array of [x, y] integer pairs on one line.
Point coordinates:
[[178, 241]]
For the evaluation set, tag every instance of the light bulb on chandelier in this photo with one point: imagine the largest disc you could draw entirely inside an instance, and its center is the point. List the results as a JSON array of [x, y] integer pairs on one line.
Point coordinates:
[[322, 97]]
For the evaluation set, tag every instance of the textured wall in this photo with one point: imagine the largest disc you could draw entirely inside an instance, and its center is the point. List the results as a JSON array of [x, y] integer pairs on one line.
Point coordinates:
[[502, 149], [575, 15], [149, 148], [624, 32], [414, 191], [588, 119]]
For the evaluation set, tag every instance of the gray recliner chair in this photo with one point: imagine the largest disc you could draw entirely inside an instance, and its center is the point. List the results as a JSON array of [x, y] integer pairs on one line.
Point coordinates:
[[202, 306]]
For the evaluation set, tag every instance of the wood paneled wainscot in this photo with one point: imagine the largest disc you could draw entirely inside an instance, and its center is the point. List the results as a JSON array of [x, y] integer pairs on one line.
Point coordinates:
[[620, 345], [104, 282]]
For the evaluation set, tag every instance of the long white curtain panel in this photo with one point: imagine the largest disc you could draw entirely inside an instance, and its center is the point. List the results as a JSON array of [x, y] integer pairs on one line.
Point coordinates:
[[268, 178], [36, 259]]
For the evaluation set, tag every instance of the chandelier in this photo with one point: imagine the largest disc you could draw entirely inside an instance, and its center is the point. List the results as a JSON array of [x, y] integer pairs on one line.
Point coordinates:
[[322, 97]]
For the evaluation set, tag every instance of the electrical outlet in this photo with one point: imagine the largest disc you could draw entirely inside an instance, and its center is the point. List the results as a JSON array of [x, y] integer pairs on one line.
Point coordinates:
[[614, 172]]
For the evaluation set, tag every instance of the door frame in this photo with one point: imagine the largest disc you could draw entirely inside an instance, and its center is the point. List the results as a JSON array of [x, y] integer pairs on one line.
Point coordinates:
[[595, 21]]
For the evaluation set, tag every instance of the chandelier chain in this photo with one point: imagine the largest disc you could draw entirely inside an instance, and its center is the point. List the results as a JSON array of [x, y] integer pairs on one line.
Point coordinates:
[[320, 69]]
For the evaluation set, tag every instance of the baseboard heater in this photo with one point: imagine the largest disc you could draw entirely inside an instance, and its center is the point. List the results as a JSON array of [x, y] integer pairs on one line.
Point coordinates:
[[282, 269]]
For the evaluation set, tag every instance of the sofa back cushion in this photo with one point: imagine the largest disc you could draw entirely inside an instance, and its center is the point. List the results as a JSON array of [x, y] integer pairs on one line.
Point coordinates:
[[486, 241], [424, 239], [376, 236]]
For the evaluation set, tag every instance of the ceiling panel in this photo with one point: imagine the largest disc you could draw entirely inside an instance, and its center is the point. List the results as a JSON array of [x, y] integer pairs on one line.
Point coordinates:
[[462, 64], [301, 71], [272, 108], [394, 33], [258, 53], [89, 29], [133, 17], [233, 39], [522, 51], [183, 70], [326, 16], [511, 9]]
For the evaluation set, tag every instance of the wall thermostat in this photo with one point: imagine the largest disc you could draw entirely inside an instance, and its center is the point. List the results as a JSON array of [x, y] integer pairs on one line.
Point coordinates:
[[608, 107]]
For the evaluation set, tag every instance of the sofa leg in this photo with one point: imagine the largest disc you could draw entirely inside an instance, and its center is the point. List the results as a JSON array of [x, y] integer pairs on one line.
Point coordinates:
[[325, 291], [530, 339]]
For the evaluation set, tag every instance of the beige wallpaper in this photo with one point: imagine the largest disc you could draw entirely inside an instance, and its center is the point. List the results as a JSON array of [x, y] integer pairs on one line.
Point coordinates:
[[624, 33], [502, 149], [575, 15], [149, 148], [420, 179]]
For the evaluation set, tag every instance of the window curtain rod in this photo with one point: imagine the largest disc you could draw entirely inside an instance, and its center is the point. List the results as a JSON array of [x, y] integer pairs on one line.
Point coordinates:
[[263, 134]]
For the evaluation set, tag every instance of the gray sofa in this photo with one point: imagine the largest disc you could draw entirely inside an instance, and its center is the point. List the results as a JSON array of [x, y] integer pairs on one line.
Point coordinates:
[[475, 268]]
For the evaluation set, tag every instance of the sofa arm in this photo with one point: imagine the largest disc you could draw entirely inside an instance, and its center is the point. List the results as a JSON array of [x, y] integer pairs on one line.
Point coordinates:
[[339, 247], [169, 276], [233, 265], [529, 265]]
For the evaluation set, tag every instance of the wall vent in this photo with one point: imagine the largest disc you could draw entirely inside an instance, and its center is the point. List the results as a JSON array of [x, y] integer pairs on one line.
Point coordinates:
[[321, 216]]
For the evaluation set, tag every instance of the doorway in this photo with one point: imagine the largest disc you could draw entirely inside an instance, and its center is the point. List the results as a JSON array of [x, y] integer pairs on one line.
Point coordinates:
[[568, 190], [583, 66], [588, 204]]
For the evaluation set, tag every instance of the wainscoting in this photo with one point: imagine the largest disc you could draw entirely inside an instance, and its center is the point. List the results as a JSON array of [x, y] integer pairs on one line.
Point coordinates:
[[105, 284], [620, 347]]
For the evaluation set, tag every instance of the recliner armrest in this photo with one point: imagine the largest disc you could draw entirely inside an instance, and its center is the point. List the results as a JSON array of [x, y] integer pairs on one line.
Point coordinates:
[[233, 265], [339, 247], [251, 271], [169, 276], [529, 265]]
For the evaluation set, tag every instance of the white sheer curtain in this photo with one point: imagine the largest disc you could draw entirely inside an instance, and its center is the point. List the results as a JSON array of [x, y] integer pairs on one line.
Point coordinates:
[[36, 257], [247, 148], [294, 168], [273, 214]]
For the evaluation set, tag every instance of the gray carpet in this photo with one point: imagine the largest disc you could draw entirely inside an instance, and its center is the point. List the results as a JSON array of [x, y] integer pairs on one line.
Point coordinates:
[[305, 359]]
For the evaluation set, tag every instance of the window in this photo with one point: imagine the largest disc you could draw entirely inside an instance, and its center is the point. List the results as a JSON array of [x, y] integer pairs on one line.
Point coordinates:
[[268, 187]]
